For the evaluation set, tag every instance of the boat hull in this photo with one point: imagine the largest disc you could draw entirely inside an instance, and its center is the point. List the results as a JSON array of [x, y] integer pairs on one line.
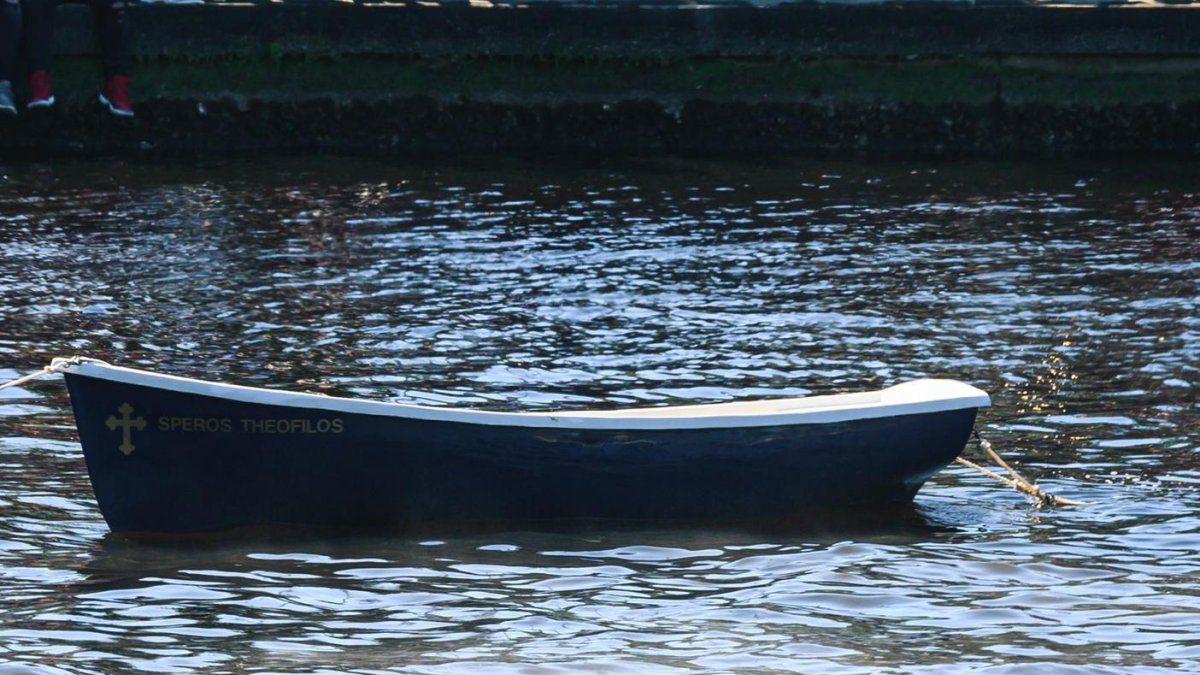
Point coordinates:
[[171, 461]]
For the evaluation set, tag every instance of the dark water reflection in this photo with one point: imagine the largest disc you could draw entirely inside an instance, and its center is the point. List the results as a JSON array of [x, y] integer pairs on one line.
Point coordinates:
[[1067, 291]]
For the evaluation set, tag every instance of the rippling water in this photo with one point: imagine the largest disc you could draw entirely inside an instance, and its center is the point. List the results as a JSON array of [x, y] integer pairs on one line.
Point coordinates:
[[1067, 291]]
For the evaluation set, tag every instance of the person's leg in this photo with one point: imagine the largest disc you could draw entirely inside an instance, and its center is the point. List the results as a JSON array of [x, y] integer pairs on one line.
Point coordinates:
[[38, 18], [113, 29], [10, 37], [39, 31]]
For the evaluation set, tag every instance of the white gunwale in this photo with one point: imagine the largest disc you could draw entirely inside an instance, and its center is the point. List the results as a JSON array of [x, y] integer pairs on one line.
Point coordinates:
[[909, 398]]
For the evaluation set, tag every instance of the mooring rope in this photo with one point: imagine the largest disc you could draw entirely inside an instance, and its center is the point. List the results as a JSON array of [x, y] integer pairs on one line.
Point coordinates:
[[1014, 479], [57, 365]]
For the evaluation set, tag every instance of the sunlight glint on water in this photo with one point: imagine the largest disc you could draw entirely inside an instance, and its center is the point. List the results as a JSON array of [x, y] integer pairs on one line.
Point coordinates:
[[1069, 292]]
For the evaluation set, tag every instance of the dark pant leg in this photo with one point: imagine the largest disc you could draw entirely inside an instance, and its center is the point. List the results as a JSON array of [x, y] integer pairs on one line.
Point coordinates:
[[112, 29], [10, 37], [39, 31]]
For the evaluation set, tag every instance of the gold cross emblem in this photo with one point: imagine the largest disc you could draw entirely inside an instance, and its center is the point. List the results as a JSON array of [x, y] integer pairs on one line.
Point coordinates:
[[126, 423]]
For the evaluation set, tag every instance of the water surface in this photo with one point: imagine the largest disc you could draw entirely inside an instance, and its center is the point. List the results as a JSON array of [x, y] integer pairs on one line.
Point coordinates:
[[1069, 292]]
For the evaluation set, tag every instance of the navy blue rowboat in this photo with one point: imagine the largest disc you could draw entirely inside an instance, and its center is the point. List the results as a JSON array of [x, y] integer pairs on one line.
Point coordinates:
[[172, 454]]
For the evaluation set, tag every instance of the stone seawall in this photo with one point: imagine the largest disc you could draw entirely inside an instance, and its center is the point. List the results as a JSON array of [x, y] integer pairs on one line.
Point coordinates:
[[917, 80]]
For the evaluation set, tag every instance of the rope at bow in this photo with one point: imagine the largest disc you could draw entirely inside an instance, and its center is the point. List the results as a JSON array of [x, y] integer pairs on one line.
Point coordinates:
[[1014, 479], [57, 365]]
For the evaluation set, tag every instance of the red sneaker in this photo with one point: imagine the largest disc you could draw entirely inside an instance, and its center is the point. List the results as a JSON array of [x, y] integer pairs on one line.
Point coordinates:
[[40, 93], [115, 95]]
